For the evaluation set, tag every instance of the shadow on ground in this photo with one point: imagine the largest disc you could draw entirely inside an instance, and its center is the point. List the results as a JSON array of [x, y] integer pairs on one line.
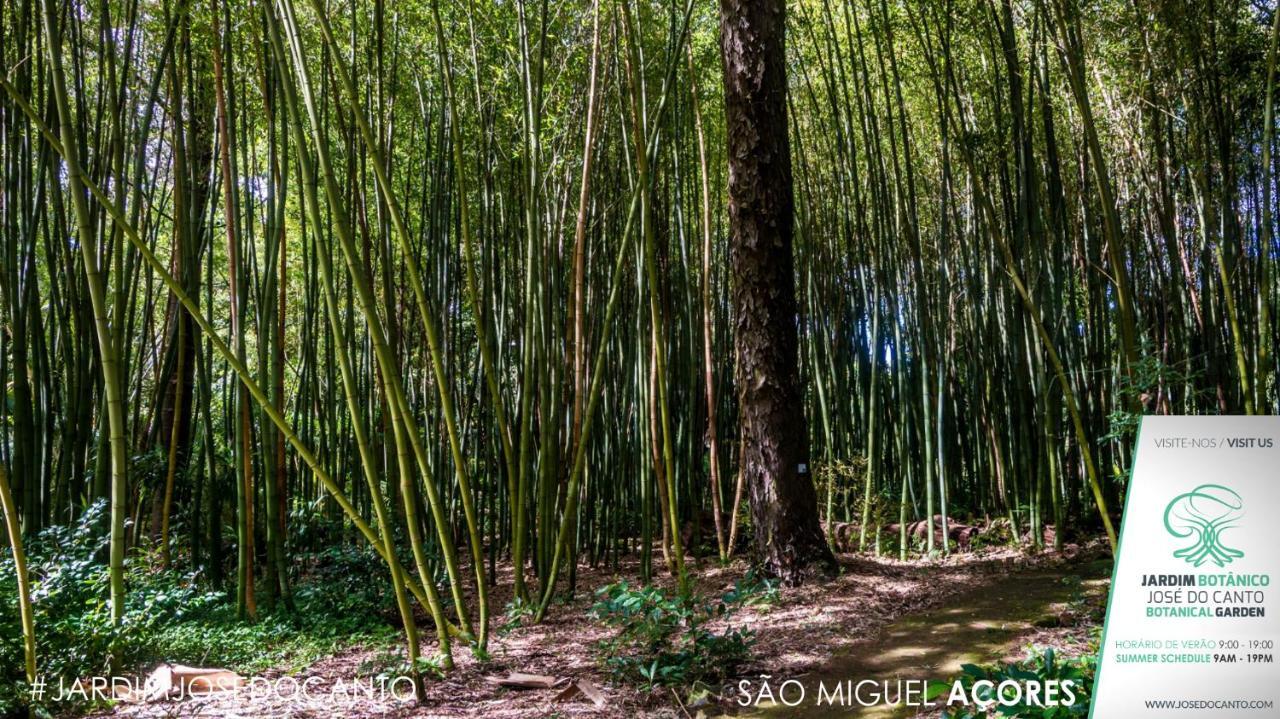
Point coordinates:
[[981, 626]]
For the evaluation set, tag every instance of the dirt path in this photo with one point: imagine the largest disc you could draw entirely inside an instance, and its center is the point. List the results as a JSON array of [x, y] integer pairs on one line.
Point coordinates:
[[983, 625], [935, 615]]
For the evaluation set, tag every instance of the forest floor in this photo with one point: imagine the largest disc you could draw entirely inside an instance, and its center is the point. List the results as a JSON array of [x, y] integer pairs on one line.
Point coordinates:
[[992, 621], [984, 606]]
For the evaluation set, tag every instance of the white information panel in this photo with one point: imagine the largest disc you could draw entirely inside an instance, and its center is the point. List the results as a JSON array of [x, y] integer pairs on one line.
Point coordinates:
[[1193, 622]]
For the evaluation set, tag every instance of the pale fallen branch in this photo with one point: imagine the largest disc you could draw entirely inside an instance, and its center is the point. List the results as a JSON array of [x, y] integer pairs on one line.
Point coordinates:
[[169, 680], [519, 680]]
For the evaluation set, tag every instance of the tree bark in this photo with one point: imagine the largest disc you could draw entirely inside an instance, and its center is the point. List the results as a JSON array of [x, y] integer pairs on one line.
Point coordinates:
[[775, 446]]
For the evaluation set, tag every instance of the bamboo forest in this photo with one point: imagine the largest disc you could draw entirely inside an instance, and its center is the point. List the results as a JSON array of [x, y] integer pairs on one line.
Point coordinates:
[[581, 358]]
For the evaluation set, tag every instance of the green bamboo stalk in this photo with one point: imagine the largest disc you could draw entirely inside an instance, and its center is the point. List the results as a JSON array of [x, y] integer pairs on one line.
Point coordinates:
[[27, 616], [96, 280], [426, 316], [387, 363], [221, 347]]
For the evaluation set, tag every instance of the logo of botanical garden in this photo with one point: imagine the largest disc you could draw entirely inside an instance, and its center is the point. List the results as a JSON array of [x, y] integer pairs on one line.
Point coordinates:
[[1205, 513]]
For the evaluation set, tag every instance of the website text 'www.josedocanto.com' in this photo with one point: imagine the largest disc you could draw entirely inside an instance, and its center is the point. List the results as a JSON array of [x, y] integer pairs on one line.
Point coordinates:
[[1209, 704]]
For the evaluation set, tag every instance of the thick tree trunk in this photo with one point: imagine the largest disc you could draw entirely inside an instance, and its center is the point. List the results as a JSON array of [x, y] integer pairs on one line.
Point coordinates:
[[775, 451]]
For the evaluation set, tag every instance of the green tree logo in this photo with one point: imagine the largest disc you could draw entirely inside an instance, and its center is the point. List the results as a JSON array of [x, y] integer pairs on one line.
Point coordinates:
[[1205, 513]]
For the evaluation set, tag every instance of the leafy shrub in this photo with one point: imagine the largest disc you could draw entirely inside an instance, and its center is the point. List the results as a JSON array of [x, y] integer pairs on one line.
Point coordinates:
[[313, 529], [666, 641], [279, 640], [887, 542], [344, 598], [753, 589], [517, 612], [345, 587], [70, 589], [387, 665], [1043, 665], [1142, 381]]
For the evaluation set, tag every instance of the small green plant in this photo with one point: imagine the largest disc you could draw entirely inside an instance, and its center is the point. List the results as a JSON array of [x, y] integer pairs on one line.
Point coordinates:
[[387, 665], [666, 641], [1139, 385], [753, 589], [518, 611]]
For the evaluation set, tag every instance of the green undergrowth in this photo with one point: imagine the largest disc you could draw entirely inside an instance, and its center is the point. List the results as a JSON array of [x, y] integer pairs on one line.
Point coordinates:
[[172, 616], [1042, 665], [674, 641]]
